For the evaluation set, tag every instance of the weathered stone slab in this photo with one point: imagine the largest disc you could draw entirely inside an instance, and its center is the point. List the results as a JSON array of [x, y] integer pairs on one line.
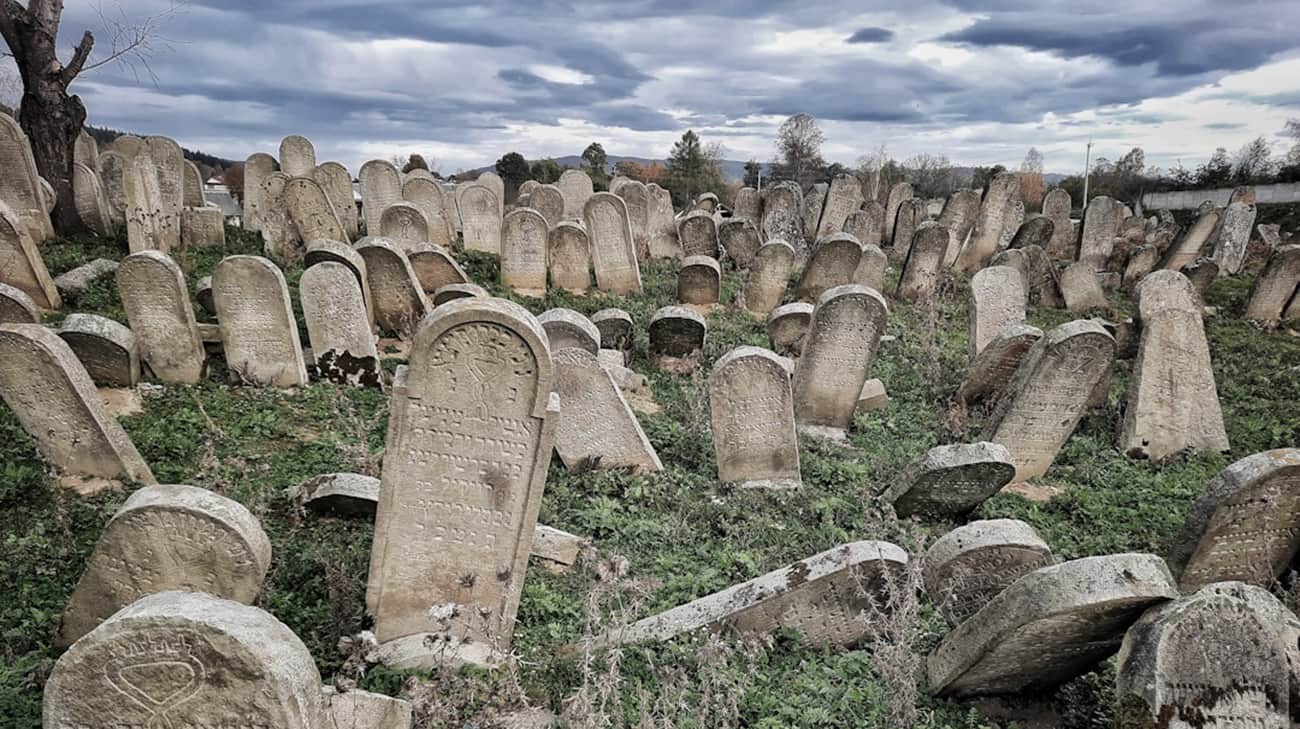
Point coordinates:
[[203, 292], [1276, 287], [569, 257], [910, 215], [21, 265], [405, 225], [186, 659], [996, 363], [958, 217], [146, 220], [739, 241], [843, 198], [549, 201], [434, 268], [1015, 258], [661, 225], [867, 224], [676, 333], [872, 268], [111, 168], [706, 201], [787, 326], [899, 193], [427, 195], [566, 328], [105, 348], [480, 373], [399, 300], [769, 273], [85, 151], [821, 597], [311, 211], [1015, 217], [637, 198], [157, 304], [321, 251], [338, 325], [1144, 260], [837, 355], [451, 292], [1049, 393], [613, 252], [257, 323], [192, 186], [699, 281], [782, 202], [1188, 248], [1234, 237], [698, 233], [1049, 626], [617, 331], [523, 252], [280, 238], [833, 262], [752, 410], [90, 200], [56, 403], [169, 167], [17, 307], [1101, 224], [336, 181], [557, 548], [747, 206], [339, 494], [257, 168], [1216, 658], [950, 481], [1056, 207], [576, 187], [1244, 526], [381, 186], [872, 398], [814, 199], [1173, 402], [970, 565], [166, 538], [986, 236], [1044, 287], [597, 427], [203, 227], [997, 302], [1081, 288], [297, 156], [925, 257], [357, 709], [20, 185], [1035, 231], [128, 145]]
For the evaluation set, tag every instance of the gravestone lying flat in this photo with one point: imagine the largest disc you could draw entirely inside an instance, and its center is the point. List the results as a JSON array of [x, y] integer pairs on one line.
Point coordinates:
[[169, 537], [597, 427], [1049, 626], [971, 564], [949, 481], [822, 597]]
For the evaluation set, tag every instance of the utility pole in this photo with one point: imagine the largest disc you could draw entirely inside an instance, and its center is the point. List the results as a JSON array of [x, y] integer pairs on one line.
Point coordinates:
[[1087, 169]]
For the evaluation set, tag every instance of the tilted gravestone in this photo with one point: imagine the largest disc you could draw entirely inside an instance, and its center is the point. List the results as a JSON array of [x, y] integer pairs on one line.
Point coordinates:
[[661, 225], [996, 364], [523, 252], [752, 411], [16, 307], [617, 332], [1049, 626], [157, 303], [1245, 525], [787, 327], [748, 206], [186, 659], [111, 168], [923, 268], [838, 351], [451, 292], [1277, 287], [997, 302], [455, 521], [814, 199], [843, 198], [427, 195], [833, 262], [782, 203], [1036, 231], [1044, 286], [297, 156], [192, 187], [739, 241], [872, 268], [1143, 261], [1202, 273], [404, 224], [91, 202], [169, 167], [1056, 207], [280, 236], [164, 538], [910, 215], [1011, 223], [338, 325], [399, 301], [1049, 393], [597, 427], [1015, 258], [257, 323], [986, 235], [707, 201], [57, 404], [321, 251], [1173, 402], [769, 273], [311, 211], [20, 185], [958, 217], [1188, 248], [970, 565], [1100, 226], [569, 257], [698, 233], [1221, 657], [576, 187], [381, 186], [336, 181], [148, 226], [822, 598], [434, 267], [549, 201], [1081, 289], [257, 168], [613, 252], [104, 347], [950, 481], [85, 151], [1234, 236], [867, 224], [899, 193], [637, 198], [21, 265], [566, 328], [676, 337], [699, 281]]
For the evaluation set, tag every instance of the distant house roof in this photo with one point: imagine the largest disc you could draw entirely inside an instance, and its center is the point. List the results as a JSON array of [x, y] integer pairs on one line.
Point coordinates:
[[216, 180]]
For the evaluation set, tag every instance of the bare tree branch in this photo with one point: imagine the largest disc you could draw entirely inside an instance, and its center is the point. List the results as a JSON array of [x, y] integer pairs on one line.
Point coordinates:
[[79, 57], [133, 43]]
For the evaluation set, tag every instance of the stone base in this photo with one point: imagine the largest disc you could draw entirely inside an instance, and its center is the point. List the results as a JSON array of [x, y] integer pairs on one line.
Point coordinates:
[[429, 650], [772, 484], [823, 431]]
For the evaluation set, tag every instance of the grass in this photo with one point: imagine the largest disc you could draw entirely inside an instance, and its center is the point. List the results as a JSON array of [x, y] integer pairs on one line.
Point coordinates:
[[681, 531]]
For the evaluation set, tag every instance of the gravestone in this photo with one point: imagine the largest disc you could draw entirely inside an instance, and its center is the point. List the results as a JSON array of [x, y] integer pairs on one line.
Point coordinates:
[[1049, 626], [676, 334], [1276, 286], [523, 252], [20, 185], [356, 709], [257, 323], [1202, 273], [661, 225], [311, 211], [192, 186], [569, 257], [867, 224], [617, 332], [257, 168], [698, 233], [748, 206], [752, 412], [339, 494], [455, 521], [613, 253], [967, 567], [897, 194], [1188, 248], [872, 268], [782, 202], [166, 538], [279, 235], [739, 241], [57, 404], [1048, 394], [1234, 236], [434, 268], [1100, 226], [1081, 288], [837, 355], [297, 156], [338, 325], [381, 186], [637, 198], [706, 201], [820, 598], [336, 181], [104, 347], [1244, 526], [549, 201], [186, 659], [997, 302], [1217, 658], [169, 166], [923, 268], [493, 182], [873, 397], [21, 265], [996, 364], [480, 214], [814, 199], [1173, 402], [699, 281], [1015, 217], [576, 187], [1036, 231], [1144, 260], [17, 307], [127, 145], [405, 225], [1015, 258], [1044, 286], [833, 262], [1270, 234], [787, 326], [157, 303], [321, 251], [950, 481], [910, 214], [399, 301], [90, 200], [203, 227], [986, 235], [1056, 207], [85, 151], [566, 328], [843, 198], [451, 292], [112, 168], [768, 275], [597, 427], [428, 197], [958, 217], [146, 221]]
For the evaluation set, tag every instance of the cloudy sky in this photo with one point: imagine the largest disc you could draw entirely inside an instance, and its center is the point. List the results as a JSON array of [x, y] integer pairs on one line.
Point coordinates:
[[464, 82]]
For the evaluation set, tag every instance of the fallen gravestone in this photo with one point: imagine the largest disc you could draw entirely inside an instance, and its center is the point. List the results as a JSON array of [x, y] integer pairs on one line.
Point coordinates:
[[967, 567], [451, 292], [1276, 288], [339, 494], [996, 364], [1188, 248], [597, 428], [1237, 221], [434, 268], [21, 265], [399, 301], [950, 481]]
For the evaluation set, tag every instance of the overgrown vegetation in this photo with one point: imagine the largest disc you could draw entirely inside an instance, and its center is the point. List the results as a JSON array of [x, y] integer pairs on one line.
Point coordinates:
[[660, 539]]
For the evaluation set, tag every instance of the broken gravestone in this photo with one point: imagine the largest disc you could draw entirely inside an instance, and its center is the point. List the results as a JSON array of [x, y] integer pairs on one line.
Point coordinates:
[[338, 327]]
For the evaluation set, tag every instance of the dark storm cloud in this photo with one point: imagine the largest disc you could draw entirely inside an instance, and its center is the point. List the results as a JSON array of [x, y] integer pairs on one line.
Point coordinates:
[[871, 35]]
